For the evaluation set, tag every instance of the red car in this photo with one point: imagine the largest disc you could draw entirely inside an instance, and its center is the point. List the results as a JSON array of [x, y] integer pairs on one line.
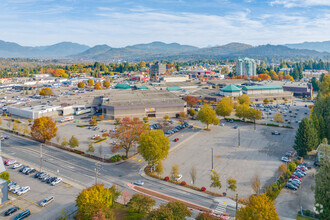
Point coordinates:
[[295, 177], [176, 139], [301, 168]]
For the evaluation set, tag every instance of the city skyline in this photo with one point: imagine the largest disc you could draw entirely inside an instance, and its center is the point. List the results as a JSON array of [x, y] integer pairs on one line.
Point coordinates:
[[120, 23]]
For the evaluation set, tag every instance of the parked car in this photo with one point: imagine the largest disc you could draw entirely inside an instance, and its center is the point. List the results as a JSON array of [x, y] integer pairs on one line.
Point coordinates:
[[138, 183], [46, 201], [178, 178], [23, 190], [276, 133], [11, 211], [30, 171], [17, 165], [45, 178], [15, 189], [291, 186], [11, 183], [285, 159], [235, 127], [51, 179], [176, 139], [12, 187], [26, 169], [10, 162], [298, 174], [21, 170], [296, 184], [56, 181], [23, 215]]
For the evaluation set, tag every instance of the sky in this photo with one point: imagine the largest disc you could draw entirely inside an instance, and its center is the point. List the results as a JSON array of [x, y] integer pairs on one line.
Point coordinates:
[[200, 23]]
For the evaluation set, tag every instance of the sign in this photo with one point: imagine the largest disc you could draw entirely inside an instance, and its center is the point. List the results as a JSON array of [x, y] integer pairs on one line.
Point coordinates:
[[150, 110]]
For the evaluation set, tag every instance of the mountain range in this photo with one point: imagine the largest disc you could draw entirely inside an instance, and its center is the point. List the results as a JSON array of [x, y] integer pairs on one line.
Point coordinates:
[[160, 50]]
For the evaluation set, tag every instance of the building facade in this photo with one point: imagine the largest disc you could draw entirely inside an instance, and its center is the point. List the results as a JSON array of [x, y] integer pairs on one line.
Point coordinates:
[[157, 69], [246, 66]]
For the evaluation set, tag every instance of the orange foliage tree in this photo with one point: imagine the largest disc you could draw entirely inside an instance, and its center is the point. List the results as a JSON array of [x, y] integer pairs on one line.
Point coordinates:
[[46, 91], [106, 84], [43, 129], [264, 77], [242, 77], [81, 85], [191, 100], [127, 134], [97, 85], [90, 82]]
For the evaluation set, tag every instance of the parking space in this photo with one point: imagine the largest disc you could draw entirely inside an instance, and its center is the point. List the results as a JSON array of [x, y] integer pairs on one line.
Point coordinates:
[[259, 152], [64, 196]]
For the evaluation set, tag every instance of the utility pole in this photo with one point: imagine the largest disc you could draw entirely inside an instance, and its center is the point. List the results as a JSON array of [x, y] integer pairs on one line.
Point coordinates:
[[255, 129], [40, 157], [236, 202]]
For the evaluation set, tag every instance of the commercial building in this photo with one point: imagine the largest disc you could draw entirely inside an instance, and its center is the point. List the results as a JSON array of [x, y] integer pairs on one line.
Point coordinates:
[[300, 89], [139, 103], [231, 90], [266, 89], [156, 70], [246, 66]]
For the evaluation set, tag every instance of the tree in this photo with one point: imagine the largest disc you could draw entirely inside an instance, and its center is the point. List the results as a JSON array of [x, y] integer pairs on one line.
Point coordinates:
[[106, 84], [64, 142], [192, 112], [254, 114], [97, 85], [153, 146], [244, 99], [127, 134], [231, 184], [243, 111], [93, 122], [166, 118], [0, 121], [282, 169], [266, 101], [81, 85], [73, 142], [101, 117], [208, 116], [174, 172], [94, 199], [278, 118], [141, 203], [193, 174], [90, 82], [115, 192], [306, 137], [225, 107], [26, 129], [5, 175], [46, 91], [159, 168], [172, 210], [260, 208], [292, 166], [322, 188], [191, 100], [206, 216], [182, 117], [91, 147], [145, 120], [142, 64], [255, 183], [215, 180], [126, 197], [43, 129]]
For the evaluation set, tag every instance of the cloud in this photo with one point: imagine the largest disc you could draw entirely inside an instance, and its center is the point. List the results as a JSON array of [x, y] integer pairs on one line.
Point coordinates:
[[300, 3]]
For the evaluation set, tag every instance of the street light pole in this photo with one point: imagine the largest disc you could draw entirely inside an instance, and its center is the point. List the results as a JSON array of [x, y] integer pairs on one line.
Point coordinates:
[[40, 157], [236, 202], [212, 158], [239, 138]]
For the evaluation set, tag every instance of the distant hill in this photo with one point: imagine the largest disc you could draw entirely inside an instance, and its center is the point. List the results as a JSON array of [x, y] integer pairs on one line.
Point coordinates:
[[8, 49], [318, 46]]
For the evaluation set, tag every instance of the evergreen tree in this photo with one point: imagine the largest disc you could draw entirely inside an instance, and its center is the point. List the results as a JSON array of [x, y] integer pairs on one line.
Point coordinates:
[[316, 124], [322, 127], [306, 138]]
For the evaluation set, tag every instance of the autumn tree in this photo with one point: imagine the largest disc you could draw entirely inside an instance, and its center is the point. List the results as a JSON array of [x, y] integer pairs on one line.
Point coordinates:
[[215, 180], [225, 107], [141, 203], [93, 122], [64, 142], [142, 64], [43, 129], [260, 208], [81, 85], [254, 114], [193, 174], [101, 117], [94, 199], [174, 172], [159, 168], [243, 111], [73, 142], [46, 91], [106, 84], [191, 100], [127, 134], [282, 169], [182, 117], [90, 82], [231, 184], [172, 210], [255, 184], [192, 112], [244, 99], [208, 116], [97, 85], [278, 118], [153, 146]]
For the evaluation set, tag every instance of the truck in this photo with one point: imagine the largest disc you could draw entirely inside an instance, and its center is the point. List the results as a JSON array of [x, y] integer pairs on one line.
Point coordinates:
[[67, 118]]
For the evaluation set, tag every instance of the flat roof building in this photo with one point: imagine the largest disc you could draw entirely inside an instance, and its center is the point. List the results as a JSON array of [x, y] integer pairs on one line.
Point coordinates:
[[231, 90]]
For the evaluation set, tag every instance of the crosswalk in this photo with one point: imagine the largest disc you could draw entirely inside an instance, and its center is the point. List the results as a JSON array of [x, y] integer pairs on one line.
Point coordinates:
[[220, 209]]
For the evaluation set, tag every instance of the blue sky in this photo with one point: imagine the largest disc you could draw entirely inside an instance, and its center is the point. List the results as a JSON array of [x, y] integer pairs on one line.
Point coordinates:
[[195, 22]]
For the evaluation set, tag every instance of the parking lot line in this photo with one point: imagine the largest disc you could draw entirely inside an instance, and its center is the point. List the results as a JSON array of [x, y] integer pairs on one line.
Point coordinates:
[[9, 201], [68, 185], [21, 197]]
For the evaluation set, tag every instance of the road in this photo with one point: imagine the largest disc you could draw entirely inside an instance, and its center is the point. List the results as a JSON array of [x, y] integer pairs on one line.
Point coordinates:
[[80, 170]]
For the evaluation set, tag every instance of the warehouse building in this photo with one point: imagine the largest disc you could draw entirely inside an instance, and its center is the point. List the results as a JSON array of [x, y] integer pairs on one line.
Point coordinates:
[[231, 90], [139, 103], [266, 89]]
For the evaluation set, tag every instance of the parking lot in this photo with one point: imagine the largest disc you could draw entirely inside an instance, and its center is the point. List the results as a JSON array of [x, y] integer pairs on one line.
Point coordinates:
[[64, 197]]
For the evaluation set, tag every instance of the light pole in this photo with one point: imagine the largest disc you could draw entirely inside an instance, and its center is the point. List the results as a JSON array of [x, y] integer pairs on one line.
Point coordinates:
[[97, 170], [40, 157], [239, 138], [212, 158]]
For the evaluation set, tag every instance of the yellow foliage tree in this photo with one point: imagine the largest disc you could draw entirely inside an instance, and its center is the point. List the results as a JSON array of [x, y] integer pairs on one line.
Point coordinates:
[[244, 99], [225, 107], [93, 200], [90, 82], [260, 208], [46, 91], [106, 84], [43, 129], [81, 85]]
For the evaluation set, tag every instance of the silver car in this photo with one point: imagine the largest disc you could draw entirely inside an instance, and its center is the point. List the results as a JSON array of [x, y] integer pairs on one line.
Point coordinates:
[[47, 201]]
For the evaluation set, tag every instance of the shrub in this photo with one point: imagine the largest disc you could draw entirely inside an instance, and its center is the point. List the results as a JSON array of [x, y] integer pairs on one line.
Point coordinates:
[[4, 175], [203, 189], [167, 178], [115, 158], [78, 152], [183, 183], [123, 157]]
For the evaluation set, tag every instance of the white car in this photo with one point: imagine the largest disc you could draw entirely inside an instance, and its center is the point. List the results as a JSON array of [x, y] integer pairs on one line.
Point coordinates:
[[17, 165], [178, 178], [12, 187], [15, 189], [10, 162], [138, 183], [58, 180], [285, 159], [23, 190], [47, 201]]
